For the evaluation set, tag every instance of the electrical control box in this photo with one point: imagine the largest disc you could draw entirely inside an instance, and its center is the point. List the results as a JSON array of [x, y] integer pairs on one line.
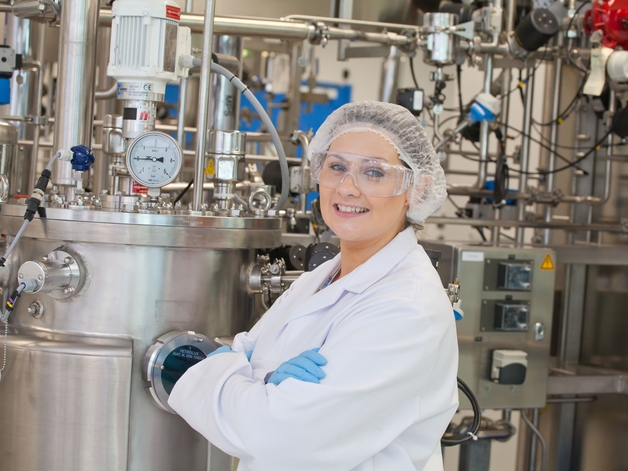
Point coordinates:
[[507, 295]]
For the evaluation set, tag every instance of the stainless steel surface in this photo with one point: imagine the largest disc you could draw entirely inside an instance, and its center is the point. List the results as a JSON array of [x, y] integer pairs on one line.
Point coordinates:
[[72, 394], [525, 152], [226, 151], [145, 229], [440, 47], [61, 274], [205, 93], [476, 268], [390, 76], [587, 380], [8, 156], [75, 82], [225, 102], [67, 398]]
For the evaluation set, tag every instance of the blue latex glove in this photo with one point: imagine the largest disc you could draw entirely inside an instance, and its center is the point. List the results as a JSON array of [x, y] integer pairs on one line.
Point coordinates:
[[223, 349], [249, 355], [305, 367]]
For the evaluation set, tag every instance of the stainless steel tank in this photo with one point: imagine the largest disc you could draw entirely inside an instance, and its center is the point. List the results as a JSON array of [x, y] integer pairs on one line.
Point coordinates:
[[8, 160], [72, 396]]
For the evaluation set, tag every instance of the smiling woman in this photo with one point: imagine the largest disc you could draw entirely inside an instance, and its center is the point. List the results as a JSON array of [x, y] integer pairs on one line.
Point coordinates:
[[354, 367]]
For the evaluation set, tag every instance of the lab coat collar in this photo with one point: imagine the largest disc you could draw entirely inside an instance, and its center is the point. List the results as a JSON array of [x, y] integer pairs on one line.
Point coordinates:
[[378, 266], [357, 281]]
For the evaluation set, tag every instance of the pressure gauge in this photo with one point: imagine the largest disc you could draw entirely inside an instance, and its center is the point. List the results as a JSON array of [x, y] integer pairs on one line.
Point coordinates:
[[154, 159]]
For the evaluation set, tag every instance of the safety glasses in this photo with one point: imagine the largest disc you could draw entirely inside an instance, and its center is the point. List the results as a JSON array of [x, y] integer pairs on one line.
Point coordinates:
[[371, 175]]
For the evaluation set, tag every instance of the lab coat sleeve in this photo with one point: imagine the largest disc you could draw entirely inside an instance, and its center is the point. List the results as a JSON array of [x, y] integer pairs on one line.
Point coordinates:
[[380, 362], [245, 341]]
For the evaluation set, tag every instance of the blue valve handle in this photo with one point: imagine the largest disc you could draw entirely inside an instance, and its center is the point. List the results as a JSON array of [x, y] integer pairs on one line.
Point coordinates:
[[83, 158]]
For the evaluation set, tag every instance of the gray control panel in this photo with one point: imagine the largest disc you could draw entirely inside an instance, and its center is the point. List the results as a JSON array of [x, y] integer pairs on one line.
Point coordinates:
[[507, 295]]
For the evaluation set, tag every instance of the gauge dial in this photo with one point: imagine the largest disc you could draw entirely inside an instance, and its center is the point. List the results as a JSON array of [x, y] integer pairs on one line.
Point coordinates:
[[154, 159]]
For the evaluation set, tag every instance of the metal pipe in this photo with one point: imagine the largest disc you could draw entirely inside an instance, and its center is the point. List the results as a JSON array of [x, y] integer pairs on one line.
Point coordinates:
[[75, 82], [390, 75], [558, 66], [40, 91], [225, 102], [484, 127], [278, 29], [564, 327], [612, 228], [183, 85], [535, 422], [107, 94], [205, 89], [346, 21], [525, 153], [303, 138]]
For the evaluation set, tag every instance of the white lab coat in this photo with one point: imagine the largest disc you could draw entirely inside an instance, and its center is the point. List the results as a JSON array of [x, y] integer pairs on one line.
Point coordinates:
[[387, 331]]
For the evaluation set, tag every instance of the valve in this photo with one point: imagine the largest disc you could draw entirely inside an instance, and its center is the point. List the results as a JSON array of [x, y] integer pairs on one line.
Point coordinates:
[[611, 18]]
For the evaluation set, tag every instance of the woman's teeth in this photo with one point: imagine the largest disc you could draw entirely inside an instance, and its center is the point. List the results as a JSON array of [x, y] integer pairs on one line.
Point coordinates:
[[350, 209]]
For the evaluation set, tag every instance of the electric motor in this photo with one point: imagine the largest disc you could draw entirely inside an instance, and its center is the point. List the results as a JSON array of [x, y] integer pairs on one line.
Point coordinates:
[[146, 43]]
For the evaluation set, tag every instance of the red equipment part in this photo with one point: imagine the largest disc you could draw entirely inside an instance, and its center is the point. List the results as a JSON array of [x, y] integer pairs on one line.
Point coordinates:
[[611, 17]]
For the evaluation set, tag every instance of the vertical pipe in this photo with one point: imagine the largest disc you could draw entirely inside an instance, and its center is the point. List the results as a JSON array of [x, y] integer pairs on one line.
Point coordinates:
[[525, 154], [203, 103], [225, 103], [558, 68], [484, 127], [38, 98], [183, 85], [533, 440], [390, 74], [75, 81], [100, 179], [18, 35]]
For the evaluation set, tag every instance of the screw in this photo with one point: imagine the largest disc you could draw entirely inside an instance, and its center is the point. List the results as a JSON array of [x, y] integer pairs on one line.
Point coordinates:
[[486, 287], [199, 339], [20, 275], [40, 277], [68, 260], [31, 309], [68, 290], [45, 258]]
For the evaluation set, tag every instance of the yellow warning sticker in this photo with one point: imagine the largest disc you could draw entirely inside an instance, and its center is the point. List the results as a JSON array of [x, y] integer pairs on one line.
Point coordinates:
[[547, 263], [209, 170]]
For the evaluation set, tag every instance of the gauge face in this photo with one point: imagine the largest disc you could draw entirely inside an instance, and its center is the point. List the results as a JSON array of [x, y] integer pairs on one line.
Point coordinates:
[[154, 159]]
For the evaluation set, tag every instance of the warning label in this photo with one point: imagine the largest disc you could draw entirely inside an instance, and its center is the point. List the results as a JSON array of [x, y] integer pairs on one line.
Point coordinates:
[[210, 170], [174, 13], [138, 189], [547, 263]]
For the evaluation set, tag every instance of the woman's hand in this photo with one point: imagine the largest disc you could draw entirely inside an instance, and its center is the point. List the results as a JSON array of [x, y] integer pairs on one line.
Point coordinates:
[[305, 367]]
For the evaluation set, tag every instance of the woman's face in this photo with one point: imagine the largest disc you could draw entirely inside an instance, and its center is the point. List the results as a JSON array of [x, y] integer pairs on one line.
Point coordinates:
[[379, 219]]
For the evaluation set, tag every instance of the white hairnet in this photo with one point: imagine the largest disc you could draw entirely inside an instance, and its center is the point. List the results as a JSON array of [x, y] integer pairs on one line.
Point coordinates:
[[399, 127]]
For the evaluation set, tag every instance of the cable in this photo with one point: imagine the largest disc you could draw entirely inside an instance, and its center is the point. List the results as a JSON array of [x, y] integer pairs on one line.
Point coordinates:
[[416, 83], [33, 205], [459, 77], [543, 145], [539, 436], [477, 418], [185, 190], [570, 108]]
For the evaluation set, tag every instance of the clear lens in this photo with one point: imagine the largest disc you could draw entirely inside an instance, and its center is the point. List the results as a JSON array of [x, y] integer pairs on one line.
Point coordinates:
[[371, 175]]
